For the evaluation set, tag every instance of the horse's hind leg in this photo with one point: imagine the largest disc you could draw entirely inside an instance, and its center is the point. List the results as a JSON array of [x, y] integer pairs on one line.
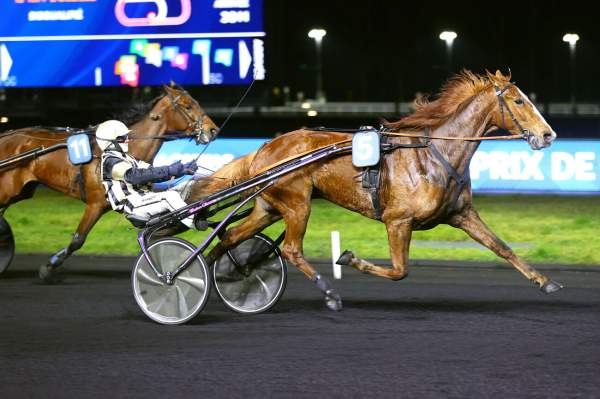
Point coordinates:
[[260, 218], [399, 235], [295, 212], [471, 223], [93, 212]]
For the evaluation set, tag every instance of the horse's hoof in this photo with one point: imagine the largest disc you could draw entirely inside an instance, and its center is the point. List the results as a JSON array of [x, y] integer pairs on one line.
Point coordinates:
[[333, 300], [49, 275], [345, 258], [550, 287]]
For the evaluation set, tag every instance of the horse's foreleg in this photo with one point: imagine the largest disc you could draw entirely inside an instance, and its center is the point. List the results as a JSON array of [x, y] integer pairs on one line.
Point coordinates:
[[471, 223], [399, 235], [92, 213]]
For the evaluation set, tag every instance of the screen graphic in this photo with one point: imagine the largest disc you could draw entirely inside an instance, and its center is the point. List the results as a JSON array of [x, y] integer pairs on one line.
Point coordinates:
[[130, 42]]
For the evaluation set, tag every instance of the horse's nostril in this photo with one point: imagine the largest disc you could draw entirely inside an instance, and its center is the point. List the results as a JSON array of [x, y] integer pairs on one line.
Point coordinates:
[[548, 137]]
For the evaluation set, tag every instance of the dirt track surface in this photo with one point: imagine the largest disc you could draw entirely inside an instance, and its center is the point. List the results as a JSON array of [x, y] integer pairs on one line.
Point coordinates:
[[443, 332]]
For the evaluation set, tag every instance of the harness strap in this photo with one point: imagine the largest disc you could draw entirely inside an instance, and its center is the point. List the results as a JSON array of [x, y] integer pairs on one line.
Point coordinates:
[[391, 147], [460, 180], [372, 181], [449, 168], [81, 180]]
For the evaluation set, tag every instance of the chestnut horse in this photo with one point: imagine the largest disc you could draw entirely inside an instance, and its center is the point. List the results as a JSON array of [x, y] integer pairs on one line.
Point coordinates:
[[174, 111], [419, 188]]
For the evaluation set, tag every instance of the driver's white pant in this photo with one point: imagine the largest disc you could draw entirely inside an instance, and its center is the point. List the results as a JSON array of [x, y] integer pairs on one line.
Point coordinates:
[[151, 203]]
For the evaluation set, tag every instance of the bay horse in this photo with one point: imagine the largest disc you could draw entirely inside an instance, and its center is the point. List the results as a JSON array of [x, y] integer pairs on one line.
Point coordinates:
[[421, 187], [165, 117]]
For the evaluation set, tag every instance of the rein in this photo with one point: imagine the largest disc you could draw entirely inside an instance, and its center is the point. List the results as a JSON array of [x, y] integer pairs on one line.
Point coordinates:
[[165, 138], [460, 180], [461, 138]]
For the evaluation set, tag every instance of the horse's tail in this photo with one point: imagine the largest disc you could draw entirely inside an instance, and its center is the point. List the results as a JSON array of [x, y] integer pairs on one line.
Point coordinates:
[[227, 176]]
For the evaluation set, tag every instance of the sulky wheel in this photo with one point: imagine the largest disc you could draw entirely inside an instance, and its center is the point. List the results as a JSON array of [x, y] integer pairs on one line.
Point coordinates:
[[7, 245], [180, 301], [251, 277]]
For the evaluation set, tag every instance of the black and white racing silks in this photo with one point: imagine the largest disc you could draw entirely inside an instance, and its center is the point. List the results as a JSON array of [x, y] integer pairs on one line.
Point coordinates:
[[126, 181]]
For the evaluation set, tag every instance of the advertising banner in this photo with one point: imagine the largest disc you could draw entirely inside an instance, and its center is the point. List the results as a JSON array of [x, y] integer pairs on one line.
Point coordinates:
[[568, 166]]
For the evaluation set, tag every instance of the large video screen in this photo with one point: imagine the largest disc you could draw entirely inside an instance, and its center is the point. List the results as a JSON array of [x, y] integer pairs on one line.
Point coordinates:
[[130, 42]]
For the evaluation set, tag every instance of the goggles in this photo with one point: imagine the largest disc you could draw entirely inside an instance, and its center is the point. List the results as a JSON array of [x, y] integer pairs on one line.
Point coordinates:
[[122, 139]]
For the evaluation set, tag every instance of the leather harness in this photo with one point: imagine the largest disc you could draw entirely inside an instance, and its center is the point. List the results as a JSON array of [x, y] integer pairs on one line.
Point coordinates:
[[371, 176]]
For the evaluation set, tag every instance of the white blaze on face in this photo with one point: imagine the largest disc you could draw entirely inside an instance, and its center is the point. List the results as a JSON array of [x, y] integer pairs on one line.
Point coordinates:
[[536, 111]]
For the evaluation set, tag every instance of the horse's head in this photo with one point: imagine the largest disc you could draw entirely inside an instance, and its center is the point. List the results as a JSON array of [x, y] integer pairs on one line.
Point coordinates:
[[185, 114], [518, 115]]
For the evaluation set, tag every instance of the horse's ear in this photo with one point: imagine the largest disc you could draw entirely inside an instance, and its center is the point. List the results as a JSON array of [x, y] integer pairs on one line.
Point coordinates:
[[172, 84], [491, 76], [502, 78]]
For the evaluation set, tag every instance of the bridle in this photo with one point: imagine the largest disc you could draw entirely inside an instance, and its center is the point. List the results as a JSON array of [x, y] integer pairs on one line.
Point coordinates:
[[502, 104], [194, 125]]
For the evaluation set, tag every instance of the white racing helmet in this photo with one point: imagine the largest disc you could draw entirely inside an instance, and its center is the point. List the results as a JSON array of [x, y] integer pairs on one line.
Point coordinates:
[[108, 133]]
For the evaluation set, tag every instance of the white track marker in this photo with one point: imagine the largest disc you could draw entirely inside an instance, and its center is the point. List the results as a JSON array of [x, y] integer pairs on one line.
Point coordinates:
[[335, 254], [98, 76]]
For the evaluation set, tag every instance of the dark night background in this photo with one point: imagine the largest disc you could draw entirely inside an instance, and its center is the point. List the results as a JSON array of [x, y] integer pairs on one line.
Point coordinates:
[[376, 50], [387, 50]]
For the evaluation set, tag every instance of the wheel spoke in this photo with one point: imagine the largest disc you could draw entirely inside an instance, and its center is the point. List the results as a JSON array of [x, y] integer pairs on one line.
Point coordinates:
[[181, 303], [195, 282], [155, 306], [274, 267], [258, 284], [265, 286], [148, 278]]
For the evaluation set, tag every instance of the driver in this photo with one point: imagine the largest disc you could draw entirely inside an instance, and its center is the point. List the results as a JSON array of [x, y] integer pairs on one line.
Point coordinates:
[[126, 180]]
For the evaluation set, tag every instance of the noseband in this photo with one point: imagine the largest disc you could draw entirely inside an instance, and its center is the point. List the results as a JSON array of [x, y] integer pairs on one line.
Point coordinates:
[[525, 134], [195, 125]]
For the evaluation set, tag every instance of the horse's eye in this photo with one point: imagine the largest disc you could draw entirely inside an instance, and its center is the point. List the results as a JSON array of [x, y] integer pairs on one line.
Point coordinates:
[[519, 101]]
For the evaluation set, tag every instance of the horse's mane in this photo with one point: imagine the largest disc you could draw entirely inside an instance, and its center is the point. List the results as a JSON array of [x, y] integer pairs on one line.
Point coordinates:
[[137, 111], [454, 96]]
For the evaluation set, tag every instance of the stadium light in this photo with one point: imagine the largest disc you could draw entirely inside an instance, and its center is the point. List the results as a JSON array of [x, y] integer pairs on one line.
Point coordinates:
[[317, 35], [572, 39], [448, 37]]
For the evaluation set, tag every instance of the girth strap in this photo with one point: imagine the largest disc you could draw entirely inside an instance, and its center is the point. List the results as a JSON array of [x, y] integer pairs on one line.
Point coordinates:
[[81, 181], [371, 180]]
